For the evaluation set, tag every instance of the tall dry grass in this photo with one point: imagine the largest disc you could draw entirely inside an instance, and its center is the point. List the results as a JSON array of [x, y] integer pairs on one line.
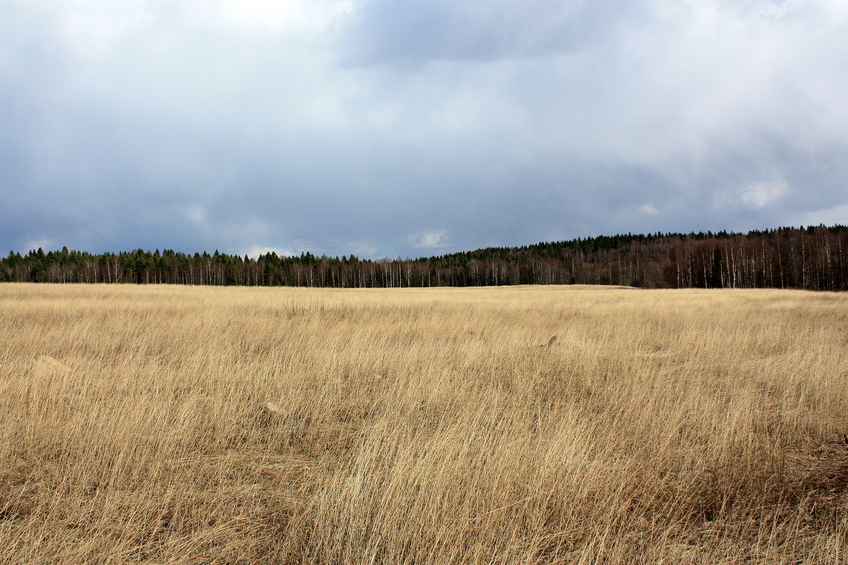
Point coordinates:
[[422, 426]]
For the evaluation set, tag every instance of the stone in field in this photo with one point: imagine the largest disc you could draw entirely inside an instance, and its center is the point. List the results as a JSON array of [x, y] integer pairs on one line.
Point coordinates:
[[270, 412], [551, 342]]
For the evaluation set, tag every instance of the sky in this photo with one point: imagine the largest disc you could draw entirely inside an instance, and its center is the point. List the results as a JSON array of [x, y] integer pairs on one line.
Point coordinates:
[[412, 128]]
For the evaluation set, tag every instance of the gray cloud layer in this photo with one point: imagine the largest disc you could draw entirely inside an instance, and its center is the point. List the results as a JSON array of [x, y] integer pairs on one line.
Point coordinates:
[[379, 127]]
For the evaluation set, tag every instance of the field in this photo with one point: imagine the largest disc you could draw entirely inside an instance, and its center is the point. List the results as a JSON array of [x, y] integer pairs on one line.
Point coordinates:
[[422, 426]]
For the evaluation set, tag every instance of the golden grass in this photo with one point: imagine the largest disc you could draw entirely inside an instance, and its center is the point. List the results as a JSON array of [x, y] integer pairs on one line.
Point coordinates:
[[422, 426]]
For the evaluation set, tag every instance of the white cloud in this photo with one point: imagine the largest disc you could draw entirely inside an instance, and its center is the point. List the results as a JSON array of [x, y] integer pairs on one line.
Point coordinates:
[[278, 15], [364, 251], [35, 244], [197, 214], [648, 209], [256, 250], [762, 194], [429, 240]]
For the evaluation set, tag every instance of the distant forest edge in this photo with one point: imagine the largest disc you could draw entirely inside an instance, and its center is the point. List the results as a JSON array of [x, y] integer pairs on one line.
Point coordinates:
[[813, 258]]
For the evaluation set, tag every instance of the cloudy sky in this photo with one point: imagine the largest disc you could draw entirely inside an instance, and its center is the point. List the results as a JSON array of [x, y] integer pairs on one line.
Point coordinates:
[[415, 127]]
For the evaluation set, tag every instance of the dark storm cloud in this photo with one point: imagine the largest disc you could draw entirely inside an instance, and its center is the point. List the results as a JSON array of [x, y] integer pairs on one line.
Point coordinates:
[[415, 128]]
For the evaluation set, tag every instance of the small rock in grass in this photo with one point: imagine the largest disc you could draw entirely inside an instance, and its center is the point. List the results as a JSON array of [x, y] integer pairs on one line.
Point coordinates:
[[269, 412], [551, 342]]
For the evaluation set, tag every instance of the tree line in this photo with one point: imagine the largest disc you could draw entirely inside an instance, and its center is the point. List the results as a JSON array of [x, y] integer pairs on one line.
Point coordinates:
[[813, 258]]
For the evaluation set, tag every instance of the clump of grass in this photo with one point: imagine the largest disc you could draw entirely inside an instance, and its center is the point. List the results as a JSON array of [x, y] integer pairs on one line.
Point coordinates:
[[422, 426]]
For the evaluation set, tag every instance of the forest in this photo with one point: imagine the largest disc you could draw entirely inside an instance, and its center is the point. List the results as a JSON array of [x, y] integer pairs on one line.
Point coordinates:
[[811, 258]]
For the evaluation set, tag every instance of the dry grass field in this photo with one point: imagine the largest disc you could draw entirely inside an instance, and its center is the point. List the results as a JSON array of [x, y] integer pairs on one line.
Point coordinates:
[[422, 426]]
